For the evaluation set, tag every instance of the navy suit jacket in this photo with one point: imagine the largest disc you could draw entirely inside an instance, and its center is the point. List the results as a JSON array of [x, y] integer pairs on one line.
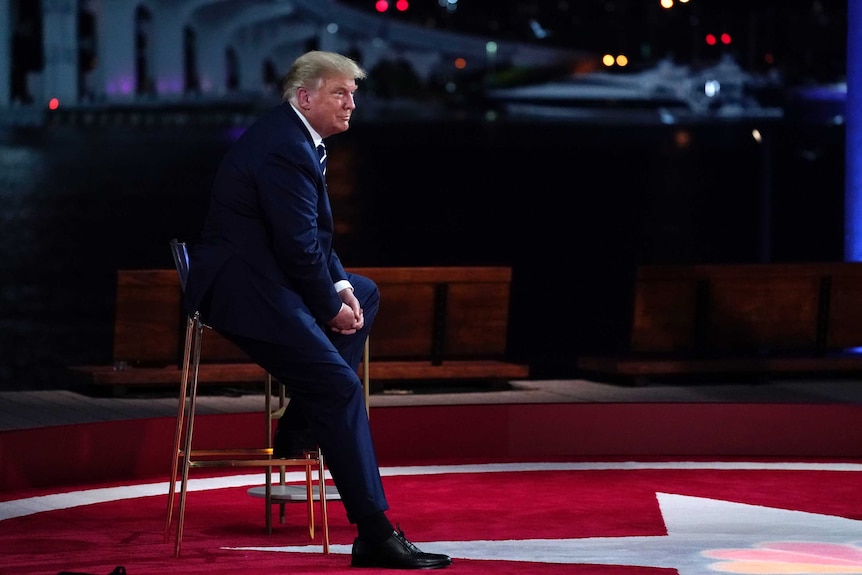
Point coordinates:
[[264, 267]]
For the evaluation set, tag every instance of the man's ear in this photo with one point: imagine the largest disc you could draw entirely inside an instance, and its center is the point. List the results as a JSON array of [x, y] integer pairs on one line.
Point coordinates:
[[302, 98]]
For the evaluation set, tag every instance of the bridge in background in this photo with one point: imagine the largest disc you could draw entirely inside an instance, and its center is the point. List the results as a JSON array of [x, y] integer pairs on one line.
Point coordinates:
[[172, 50]]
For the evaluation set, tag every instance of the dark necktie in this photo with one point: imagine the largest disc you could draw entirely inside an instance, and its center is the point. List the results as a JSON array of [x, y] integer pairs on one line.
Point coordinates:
[[321, 152]]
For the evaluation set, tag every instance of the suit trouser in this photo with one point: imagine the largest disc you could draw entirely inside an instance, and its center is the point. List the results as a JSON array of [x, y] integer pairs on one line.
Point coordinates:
[[320, 375]]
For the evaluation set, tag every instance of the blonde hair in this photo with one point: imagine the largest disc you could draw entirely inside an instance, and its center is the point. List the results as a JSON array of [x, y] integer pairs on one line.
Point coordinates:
[[311, 68]]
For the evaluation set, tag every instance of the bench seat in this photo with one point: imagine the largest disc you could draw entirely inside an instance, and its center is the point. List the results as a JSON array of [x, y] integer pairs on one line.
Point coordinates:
[[802, 318], [434, 323], [228, 373]]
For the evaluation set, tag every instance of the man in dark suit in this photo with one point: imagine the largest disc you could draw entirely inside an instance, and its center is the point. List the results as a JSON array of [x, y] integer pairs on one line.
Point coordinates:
[[265, 276]]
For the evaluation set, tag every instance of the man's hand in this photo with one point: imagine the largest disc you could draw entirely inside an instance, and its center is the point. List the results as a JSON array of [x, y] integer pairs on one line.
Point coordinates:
[[349, 318]]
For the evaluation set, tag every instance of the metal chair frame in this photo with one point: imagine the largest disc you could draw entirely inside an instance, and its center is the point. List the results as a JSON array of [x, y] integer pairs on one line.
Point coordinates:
[[186, 456]]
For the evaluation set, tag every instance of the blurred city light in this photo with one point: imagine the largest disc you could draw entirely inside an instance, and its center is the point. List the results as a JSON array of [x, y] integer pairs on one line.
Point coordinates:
[[620, 60]]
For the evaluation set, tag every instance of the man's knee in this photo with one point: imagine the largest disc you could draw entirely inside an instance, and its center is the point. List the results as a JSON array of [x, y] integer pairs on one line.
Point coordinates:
[[367, 292]]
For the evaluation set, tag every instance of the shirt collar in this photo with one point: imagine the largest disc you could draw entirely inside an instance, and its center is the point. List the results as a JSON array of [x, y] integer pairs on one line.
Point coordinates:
[[318, 139]]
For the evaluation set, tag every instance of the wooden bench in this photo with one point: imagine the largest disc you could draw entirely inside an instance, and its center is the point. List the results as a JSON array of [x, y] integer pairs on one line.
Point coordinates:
[[753, 318], [434, 323]]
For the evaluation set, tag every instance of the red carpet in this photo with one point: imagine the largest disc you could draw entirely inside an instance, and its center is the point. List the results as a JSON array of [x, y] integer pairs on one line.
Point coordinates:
[[87, 498], [583, 518]]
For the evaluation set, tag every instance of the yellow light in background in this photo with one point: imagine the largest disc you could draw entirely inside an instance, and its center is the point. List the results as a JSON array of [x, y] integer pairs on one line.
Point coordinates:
[[608, 60], [622, 60], [758, 137], [667, 3]]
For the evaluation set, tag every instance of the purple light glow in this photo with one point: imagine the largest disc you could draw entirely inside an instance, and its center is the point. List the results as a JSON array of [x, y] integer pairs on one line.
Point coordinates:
[[121, 87]]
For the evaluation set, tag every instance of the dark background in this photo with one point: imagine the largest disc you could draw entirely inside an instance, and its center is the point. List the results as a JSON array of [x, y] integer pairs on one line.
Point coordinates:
[[804, 40], [573, 206]]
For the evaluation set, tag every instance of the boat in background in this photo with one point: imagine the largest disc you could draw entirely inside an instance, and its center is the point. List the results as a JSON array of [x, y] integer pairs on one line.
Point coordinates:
[[667, 92]]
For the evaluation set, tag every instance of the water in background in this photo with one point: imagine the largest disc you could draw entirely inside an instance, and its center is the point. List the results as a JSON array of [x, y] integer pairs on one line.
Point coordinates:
[[572, 207]]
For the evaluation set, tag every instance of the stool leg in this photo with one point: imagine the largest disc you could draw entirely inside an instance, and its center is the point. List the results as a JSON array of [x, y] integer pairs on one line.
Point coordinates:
[[267, 400], [181, 406], [366, 375], [268, 500], [309, 497], [190, 424], [321, 481], [282, 403]]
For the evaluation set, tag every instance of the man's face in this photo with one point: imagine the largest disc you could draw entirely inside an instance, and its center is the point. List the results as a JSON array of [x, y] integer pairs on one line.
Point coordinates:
[[329, 107]]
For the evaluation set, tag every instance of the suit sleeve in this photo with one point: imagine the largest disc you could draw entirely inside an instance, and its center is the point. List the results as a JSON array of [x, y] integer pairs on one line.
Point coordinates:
[[291, 201], [336, 270]]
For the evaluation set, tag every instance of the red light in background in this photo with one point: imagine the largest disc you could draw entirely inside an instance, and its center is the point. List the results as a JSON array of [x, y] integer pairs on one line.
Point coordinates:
[[53, 104], [381, 5], [460, 63], [711, 39], [725, 38], [402, 5]]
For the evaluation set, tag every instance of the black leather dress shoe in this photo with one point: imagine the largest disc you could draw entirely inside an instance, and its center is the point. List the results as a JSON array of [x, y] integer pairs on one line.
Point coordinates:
[[292, 443], [395, 553]]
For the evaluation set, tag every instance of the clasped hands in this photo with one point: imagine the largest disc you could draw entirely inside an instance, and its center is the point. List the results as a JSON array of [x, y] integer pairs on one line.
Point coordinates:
[[350, 317]]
